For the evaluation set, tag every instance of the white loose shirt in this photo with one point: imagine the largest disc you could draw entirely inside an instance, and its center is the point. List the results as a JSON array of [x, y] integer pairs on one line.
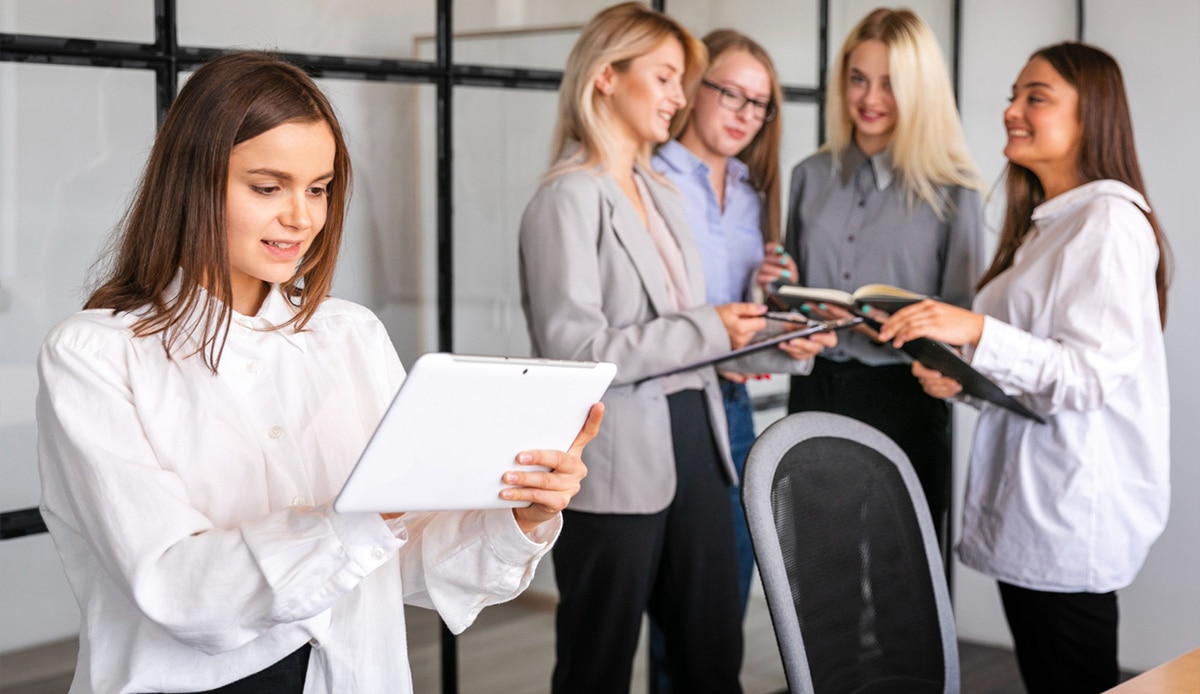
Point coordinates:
[[193, 511], [1072, 328]]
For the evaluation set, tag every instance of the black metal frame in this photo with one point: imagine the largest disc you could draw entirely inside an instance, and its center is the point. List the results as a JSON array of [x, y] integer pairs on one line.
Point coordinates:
[[166, 58]]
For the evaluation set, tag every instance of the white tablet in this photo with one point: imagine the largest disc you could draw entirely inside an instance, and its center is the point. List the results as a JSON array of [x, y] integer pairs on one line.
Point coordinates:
[[457, 424]]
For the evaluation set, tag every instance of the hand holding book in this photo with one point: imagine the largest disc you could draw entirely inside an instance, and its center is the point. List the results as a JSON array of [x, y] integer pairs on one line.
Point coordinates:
[[934, 320], [920, 327]]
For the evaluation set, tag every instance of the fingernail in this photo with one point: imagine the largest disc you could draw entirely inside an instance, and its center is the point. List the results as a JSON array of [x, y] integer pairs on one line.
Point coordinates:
[[524, 458], [508, 494], [783, 260], [823, 307], [786, 274], [866, 308], [805, 308], [779, 250], [510, 477]]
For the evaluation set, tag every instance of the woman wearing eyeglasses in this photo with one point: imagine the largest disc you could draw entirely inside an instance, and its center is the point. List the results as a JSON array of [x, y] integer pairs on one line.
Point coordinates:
[[893, 198], [725, 164]]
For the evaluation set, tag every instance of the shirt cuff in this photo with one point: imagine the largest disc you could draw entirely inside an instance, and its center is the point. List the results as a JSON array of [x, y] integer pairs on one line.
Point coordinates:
[[513, 546]]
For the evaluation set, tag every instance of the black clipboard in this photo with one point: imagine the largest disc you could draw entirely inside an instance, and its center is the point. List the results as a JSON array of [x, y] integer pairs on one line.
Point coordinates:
[[771, 337]]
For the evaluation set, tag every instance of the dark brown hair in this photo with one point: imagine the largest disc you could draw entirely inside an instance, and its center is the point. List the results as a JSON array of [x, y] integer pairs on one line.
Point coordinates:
[[762, 154], [1106, 152], [176, 223]]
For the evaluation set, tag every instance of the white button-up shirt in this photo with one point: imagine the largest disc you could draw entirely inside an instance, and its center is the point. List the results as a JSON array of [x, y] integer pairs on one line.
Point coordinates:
[[193, 511], [1073, 504]]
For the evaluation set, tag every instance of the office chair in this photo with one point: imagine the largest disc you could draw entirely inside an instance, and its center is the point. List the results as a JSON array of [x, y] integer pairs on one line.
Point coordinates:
[[848, 559]]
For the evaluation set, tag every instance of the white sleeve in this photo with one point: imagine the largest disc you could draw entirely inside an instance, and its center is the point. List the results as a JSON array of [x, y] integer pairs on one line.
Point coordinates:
[[1104, 287], [460, 562], [114, 506]]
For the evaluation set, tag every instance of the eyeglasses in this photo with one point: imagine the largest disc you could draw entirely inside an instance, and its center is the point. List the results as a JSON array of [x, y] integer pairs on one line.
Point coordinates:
[[736, 101]]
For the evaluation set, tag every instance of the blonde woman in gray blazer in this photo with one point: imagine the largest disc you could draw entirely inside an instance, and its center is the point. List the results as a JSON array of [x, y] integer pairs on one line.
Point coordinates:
[[609, 271]]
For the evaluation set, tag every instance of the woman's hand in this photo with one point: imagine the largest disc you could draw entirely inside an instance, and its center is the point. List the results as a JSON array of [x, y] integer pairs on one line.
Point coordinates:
[[742, 321], [808, 347], [776, 264], [935, 384], [549, 492], [935, 320]]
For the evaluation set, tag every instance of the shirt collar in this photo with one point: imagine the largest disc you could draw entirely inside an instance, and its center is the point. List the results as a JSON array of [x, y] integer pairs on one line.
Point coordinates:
[[1061, 204], [275, 311], [881, 166], [683, 160]]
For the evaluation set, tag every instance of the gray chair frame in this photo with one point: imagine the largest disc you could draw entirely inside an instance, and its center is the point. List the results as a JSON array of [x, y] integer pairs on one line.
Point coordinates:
[[761, 463]]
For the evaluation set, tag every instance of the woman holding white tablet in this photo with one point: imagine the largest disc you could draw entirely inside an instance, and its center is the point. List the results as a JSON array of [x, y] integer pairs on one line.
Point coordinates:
[[196, 420]]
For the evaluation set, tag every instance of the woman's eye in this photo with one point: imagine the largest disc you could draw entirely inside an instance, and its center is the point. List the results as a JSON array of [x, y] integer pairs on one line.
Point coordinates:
[[265, 190], [318, 190]]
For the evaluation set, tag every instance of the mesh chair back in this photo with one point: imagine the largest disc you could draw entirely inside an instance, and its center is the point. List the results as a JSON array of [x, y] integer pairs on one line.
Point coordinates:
[[849, 560]]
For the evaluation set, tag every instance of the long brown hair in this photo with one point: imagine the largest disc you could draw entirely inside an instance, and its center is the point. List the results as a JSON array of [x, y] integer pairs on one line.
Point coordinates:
[[762, 154], [176, 223], [1106, 151]]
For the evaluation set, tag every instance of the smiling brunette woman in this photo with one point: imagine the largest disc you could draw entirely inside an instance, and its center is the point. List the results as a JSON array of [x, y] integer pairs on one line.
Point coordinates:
[[609, 272], [1070, 316], [196, 421]]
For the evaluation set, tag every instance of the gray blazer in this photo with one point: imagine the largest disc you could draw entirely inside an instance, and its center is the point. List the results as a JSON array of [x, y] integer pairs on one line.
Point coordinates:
[[593, 288]]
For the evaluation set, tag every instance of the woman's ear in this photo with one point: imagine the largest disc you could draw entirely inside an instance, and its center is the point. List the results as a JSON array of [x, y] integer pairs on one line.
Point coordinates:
[[605, 82]]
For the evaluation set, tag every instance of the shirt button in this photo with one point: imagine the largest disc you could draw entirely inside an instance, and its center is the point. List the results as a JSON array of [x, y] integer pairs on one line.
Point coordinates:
[[377, 553], [275, 432], [862, 203], [851, 238], [298, 501], [314, 643], [846, 275], [253, 367]]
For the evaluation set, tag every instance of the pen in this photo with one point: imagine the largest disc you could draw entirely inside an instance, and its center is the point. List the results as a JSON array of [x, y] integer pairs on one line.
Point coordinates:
[[789, 317]]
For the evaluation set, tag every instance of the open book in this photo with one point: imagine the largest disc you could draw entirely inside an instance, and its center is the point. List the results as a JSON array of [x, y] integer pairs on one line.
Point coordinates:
[[872, 303], [883, 296]]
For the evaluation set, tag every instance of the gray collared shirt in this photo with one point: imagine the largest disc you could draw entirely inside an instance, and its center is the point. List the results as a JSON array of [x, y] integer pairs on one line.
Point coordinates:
[[854, 227]]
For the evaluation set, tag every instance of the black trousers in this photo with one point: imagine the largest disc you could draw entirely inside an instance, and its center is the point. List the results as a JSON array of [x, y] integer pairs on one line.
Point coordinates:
[[1066, 643], [890, 399], [679, 563]]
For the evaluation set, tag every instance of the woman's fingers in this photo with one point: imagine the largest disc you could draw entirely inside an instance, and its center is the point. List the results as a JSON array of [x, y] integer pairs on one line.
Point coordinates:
[[549, 492]]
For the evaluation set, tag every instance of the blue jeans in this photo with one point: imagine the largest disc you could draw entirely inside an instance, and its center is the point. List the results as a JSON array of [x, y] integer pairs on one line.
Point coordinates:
[[740, 414]]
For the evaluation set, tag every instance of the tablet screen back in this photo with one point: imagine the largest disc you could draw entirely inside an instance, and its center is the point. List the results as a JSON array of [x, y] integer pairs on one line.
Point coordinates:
[[457, 424]]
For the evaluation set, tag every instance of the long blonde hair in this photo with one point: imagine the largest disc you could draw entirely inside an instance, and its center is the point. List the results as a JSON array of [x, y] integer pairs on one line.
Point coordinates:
[[584, 133], [762, 154], [928, 146]]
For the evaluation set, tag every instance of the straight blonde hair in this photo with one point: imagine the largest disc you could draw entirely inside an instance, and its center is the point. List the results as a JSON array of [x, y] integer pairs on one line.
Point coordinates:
[[928, 146], [761, 156], [584, 133]]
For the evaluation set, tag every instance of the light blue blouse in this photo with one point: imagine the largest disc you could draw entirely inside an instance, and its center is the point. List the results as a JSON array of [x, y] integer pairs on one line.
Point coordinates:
[[730, 240]]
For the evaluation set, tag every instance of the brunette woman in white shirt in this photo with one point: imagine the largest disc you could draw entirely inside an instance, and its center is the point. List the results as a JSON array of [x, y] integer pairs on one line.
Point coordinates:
[[196, 420], [1069, 317]]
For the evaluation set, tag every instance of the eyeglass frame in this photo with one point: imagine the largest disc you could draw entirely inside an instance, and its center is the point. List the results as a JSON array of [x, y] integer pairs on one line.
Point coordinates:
[[766, 111]]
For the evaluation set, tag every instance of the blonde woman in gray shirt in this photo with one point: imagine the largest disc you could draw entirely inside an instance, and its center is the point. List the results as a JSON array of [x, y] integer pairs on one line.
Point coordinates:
[[892, 197]]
